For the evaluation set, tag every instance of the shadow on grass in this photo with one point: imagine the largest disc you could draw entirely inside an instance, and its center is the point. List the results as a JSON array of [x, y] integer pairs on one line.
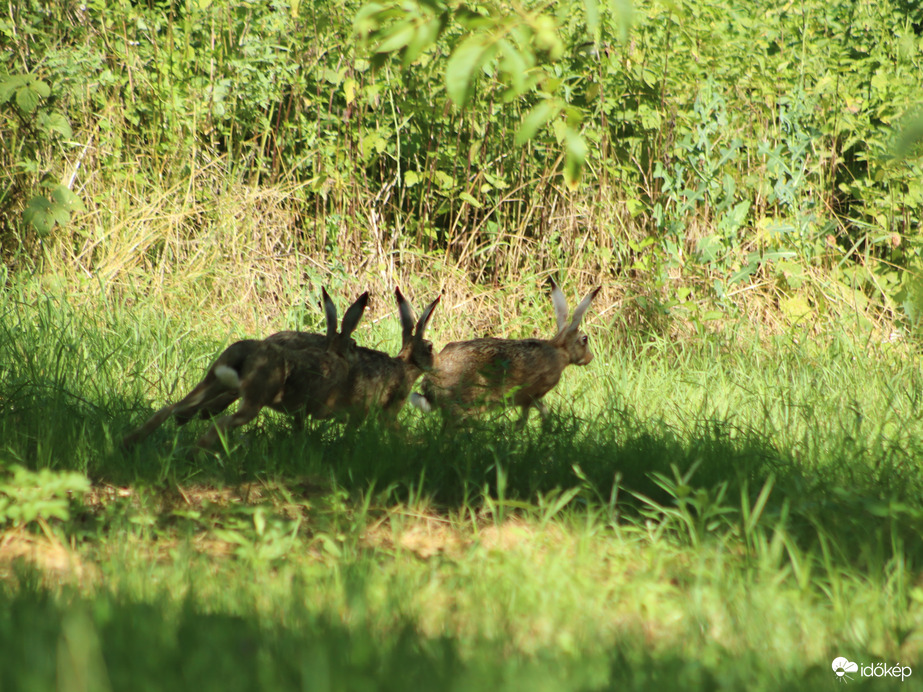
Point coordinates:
[[864, 508], [113, 642], [864, 502]]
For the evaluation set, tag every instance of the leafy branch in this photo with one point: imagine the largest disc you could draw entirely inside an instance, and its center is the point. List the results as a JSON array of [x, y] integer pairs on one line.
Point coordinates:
[[518, 50], [25, 97]]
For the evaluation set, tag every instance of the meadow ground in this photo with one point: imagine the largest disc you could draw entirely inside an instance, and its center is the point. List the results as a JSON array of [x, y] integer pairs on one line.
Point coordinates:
[[732, 511]]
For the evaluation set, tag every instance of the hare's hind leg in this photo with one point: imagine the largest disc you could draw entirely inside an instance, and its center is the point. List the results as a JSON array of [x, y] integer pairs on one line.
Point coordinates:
[[225, 378], [185, 408], [263, 385], [210, 407]]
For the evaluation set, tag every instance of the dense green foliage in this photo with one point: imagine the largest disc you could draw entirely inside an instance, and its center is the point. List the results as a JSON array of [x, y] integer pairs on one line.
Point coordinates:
[[732, 145]]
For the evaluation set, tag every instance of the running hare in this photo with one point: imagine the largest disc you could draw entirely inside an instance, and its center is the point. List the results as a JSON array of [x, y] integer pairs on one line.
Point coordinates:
[[219, 396], [294, 380], [377, 381], [473, 375]]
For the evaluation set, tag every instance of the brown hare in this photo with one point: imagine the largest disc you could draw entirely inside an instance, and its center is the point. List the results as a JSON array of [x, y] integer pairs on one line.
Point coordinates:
[[379, 382], [219, 396], [294, 380], [470, 376]]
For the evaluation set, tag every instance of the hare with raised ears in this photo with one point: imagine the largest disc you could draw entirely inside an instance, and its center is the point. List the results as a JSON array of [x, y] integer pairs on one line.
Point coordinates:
[[240, 362], [297, 381], [379, 382], [473, 375], [219, 396]]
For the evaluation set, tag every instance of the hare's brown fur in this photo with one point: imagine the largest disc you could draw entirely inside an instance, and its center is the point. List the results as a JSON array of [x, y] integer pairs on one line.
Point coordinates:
[[473, 375], [297, 377], [377, 381]]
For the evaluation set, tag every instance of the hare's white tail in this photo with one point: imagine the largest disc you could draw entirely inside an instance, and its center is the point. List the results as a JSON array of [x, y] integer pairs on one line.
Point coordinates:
[[421, 402], [228, 376]]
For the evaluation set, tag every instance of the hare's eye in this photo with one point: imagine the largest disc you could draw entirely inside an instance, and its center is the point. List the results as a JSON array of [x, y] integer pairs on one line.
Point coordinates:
[[584, 339]]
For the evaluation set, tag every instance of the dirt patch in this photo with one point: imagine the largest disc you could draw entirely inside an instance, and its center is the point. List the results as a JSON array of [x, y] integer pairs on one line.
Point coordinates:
[[48, 555], [428, 535]]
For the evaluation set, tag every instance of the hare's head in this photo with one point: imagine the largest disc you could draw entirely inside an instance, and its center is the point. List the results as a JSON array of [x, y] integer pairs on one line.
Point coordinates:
[[415, 349], [569, 336], [341, 342]]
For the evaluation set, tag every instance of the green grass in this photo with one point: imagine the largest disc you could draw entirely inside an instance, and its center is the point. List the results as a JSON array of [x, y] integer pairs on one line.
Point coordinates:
[[721, 513]]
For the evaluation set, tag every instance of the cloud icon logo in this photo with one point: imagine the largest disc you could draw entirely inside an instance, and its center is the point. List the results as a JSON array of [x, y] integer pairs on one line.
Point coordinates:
[[841, 666]]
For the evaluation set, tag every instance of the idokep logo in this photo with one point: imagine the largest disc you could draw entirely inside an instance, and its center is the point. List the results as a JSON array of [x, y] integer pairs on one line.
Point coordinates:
[[843, 666]]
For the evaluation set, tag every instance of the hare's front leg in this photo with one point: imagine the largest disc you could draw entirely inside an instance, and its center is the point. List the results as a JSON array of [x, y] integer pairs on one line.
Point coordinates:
[[524, 418], [247, 412], [539, 405]]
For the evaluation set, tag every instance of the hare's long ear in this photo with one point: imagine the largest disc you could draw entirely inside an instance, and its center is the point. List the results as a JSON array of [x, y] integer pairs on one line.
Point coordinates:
[[353, 315], [582, 308], [330, 311], [405, 311], [560, 305], [424, 319]]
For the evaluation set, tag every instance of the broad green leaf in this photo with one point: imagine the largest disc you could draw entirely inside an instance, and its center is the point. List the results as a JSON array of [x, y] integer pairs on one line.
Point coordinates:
[[411, 178], [592, 17], [444, 180], [467, 197], [623, 11], [55, 122], [560, 128], [471, 20], [650, 117], [372, 144], [880, 82], [515, 65], [910, 137], [424, 37], [792, 272], [64, 197], [365, 20], [39, 213], [733, 219], [546, 36], [461, 69], [396, 37], [710, 248], [349, 89], [41, 88], [743, 274], [634, 206], [795, 308], [574, 158], [574, 117], [27, 99], [9, 86], [495, 182], [536, 118]]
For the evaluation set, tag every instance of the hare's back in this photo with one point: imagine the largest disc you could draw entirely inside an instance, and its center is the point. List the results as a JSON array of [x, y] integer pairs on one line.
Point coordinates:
[[297, 340], [495, 362], [374, 365], [373, 372], [307, 376], [476, 353]]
